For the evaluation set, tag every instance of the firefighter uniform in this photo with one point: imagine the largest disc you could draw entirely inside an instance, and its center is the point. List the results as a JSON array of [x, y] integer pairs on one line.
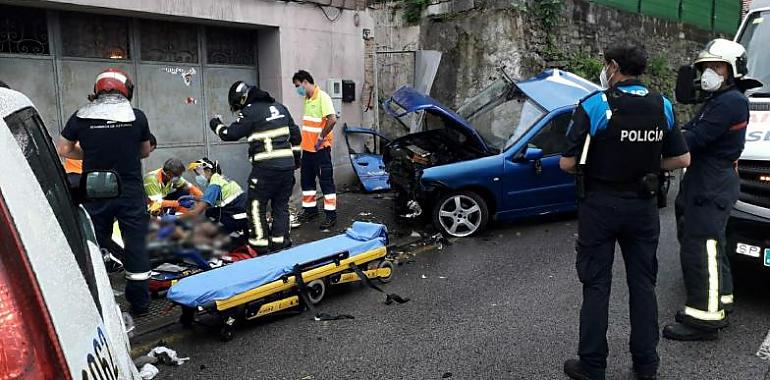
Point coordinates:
[[274, 150], [707, 193], [317, 160], [628, 129], [165, 195]]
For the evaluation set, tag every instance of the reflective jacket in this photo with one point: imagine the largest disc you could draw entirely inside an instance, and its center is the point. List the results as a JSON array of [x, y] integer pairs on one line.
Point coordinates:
[[274, 138], [230, 190]]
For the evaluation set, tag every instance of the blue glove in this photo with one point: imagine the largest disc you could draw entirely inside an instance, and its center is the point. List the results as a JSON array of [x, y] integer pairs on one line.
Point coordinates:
[[168, 219], [187, 201]]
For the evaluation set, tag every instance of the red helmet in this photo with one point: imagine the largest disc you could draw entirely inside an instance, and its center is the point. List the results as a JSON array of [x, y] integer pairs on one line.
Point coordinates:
[[114, 80]]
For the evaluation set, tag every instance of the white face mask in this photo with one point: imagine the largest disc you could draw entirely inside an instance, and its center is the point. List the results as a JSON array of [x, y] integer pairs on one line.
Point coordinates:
[[710, 81], [604, 80]]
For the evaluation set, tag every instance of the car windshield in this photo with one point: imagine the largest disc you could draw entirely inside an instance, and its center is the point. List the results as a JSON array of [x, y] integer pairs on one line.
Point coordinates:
[[756, 39], [501, 125]]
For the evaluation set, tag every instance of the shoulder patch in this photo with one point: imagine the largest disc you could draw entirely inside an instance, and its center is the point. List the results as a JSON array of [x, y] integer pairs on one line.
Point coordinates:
[[598, 110]]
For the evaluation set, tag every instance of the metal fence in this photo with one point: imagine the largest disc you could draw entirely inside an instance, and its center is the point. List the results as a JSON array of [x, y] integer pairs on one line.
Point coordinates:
[[721, 16]]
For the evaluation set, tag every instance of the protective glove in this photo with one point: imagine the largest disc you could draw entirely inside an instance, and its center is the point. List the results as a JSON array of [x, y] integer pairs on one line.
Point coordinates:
[[187, 201], [154, 208], [168, 219], [215, 122], [319, 142]]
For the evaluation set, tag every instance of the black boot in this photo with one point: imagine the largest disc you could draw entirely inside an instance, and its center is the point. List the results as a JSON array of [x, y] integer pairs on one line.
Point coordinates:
[[328, 223], [574, 369], [683, 332], [304, 217]]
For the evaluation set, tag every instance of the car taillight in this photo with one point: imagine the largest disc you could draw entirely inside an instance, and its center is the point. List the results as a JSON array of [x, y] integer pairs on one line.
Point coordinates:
[[29, 348]]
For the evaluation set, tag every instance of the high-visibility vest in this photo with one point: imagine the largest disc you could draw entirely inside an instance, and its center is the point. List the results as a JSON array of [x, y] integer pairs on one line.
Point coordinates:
[[317, 108], [230, 190]]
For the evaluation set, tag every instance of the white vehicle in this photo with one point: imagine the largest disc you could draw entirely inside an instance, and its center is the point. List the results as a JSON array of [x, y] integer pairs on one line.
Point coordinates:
[[748, 230], [58, 315]]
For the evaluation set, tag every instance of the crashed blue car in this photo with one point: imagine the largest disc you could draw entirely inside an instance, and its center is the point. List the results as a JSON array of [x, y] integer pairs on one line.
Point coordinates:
[[496, 157]]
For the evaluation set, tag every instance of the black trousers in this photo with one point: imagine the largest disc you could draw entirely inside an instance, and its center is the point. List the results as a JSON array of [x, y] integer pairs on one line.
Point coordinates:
[[233, 218], [706, 196], [603, 220], [318, 165], [269, 188], [133, 220]]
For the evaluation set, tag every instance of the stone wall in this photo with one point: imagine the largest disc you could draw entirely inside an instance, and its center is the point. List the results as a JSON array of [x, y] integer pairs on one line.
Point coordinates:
[[478, 36]]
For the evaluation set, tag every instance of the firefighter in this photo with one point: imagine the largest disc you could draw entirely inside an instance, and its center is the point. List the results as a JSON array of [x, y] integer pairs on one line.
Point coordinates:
[[619, 140], [274, 151], [112, 135], [74, 168], [167, 190], [223, 200], [709, 190], [318, 122]]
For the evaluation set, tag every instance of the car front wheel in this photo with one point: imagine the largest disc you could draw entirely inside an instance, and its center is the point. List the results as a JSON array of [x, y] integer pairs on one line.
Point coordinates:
[[461, 214]]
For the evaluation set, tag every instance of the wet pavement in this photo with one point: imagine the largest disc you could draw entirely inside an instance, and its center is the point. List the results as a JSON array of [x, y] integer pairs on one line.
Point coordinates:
[[502, 305]]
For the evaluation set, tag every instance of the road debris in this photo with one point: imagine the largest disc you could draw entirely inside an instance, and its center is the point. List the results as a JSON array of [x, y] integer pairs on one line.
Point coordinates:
[[148, 372], [167, 356], [423, 277]]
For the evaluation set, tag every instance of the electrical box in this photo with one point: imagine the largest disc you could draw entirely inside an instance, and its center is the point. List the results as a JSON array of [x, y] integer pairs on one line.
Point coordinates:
[[334, 89], [348, 91]]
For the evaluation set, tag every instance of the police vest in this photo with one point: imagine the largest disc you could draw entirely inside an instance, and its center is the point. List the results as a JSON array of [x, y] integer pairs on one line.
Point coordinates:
[[628, 125], [230, 190]]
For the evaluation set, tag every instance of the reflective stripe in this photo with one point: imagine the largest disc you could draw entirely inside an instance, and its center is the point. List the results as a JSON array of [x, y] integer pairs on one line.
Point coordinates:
[[259, 235], [312, 129], [219, 128], [726, 300], [259, 242], [240, 216], [274, 154], [308, 193], [330, 196], [330, 202], [278, 239], [312, 119], [704, 315], [308, 204], [713, 271], [283, 131], [232, 198], [329, 207], [138, 276], [112, 75], [296, 149]]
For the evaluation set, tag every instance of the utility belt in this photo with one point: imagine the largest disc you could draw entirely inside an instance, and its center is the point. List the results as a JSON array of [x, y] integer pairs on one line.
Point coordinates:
[[647, 186]]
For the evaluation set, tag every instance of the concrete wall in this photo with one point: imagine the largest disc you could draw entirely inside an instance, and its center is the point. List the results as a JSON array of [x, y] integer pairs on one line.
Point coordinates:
[[292, 36]]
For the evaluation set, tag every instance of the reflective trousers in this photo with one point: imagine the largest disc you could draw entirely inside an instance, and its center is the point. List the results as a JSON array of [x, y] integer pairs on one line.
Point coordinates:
[[706, 196], [133, 220], [318, 165], [603, 220], [269, 189]]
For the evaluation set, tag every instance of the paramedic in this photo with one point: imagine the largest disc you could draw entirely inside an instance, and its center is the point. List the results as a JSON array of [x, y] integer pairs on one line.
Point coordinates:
[[318, 122], [115, 136], [619, 140], [274, 141], [708, 191], [166, 189], [223, 200]]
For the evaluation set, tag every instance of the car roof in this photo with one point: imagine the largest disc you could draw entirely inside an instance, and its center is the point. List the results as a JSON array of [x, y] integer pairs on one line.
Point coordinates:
[[554, 88], [758, 4], [12, 101]]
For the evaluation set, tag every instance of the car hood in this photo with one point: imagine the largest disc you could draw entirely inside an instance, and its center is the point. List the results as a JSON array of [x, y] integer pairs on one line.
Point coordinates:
[[411, 101]]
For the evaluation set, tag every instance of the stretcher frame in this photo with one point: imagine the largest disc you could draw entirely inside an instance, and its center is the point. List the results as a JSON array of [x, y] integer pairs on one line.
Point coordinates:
[[304, 286]]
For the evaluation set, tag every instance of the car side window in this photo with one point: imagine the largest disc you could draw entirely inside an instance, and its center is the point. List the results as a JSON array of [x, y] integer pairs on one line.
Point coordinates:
[[552, 138], [36, 144]]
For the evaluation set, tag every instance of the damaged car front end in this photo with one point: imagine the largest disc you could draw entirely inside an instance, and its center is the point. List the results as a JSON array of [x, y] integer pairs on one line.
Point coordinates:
[[496, 157]]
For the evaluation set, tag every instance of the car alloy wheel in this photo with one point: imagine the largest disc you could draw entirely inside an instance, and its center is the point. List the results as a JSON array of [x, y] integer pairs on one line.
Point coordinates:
[[461, 214]]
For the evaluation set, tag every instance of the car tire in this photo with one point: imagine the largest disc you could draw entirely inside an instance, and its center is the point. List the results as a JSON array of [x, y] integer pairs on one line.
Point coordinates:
[[460, 214]]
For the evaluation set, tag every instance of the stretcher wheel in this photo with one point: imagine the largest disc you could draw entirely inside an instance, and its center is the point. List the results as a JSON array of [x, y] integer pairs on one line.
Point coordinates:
[[386, 264], [316, 291]]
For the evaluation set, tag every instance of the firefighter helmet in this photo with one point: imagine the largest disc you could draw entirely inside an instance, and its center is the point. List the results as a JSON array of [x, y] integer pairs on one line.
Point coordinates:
[[239, 92], [729, 52], [112, 80]]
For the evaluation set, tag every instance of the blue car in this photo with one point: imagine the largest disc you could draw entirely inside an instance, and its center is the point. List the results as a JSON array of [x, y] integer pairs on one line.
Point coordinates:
[[497, 157]]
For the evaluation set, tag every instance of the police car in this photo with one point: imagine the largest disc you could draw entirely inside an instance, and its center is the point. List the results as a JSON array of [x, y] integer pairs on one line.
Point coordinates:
[[58, 315], [748, 229]]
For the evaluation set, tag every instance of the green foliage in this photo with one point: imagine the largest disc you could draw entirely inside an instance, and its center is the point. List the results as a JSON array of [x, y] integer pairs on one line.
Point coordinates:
[[548, 12], [413, 10], [586, 66], [658, 66]]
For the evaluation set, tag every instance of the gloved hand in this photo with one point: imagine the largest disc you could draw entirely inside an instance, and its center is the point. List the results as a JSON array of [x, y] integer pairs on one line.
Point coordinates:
[[186, 201], [168, 219], [154, 208], [319, 142], [215, 122]]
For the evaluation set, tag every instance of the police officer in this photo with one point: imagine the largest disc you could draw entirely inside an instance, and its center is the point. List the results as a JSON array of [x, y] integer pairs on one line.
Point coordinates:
[[708, 191], [115, 136], [619, 140], [274, 152], [223, 200]]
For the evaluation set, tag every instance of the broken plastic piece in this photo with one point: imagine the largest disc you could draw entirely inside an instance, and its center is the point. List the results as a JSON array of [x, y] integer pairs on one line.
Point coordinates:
[[166, 355], [148, 372], [415, 208]]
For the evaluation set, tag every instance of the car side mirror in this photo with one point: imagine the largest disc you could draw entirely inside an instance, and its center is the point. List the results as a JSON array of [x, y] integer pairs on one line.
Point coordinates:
[[533, 154], [99, 185]]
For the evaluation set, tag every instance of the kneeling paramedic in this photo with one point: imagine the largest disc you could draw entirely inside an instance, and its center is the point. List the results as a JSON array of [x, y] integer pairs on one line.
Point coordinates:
[[115, 136], [619, 140], [167, 190], [223, 200], [709, 190], [274, 152]]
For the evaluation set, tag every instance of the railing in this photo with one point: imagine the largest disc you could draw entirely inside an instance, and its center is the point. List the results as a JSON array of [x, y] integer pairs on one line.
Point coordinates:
[[721, 16]]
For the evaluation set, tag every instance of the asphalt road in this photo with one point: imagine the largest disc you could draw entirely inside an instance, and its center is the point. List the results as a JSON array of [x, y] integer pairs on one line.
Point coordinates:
[[503, 305]]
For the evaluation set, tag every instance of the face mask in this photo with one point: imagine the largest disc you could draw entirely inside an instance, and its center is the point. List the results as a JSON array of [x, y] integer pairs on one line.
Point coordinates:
[[301, 91], [201, 181], [603, 79], [710, 81]]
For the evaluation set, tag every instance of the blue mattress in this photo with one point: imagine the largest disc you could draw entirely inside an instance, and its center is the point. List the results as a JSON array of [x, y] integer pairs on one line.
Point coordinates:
[[219, 284]]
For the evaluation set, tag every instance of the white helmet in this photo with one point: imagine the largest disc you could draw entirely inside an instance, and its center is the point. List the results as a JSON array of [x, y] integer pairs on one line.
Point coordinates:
[[722, 50]]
